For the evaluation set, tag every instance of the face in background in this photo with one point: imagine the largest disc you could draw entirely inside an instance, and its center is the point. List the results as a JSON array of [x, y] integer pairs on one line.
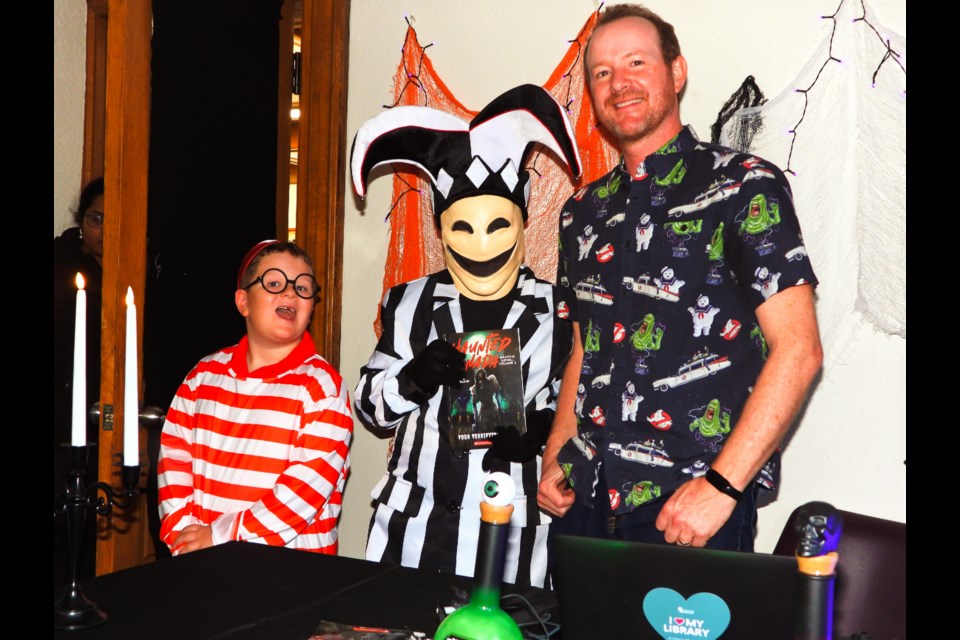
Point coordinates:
[[92, 230], [275, 320], [483, 245], [634, 91]]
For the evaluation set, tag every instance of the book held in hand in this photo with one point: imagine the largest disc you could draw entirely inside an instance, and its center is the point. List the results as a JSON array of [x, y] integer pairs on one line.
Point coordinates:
[[490, 395]]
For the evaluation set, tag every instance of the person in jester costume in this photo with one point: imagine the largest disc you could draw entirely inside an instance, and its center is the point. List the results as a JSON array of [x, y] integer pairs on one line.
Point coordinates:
[[426, 506]]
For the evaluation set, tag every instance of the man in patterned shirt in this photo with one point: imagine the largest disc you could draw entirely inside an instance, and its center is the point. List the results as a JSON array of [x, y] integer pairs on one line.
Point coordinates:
[[255, 444], [694, 302]]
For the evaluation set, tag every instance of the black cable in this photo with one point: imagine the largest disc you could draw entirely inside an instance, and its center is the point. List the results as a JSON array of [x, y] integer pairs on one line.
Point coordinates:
[[548, 628]]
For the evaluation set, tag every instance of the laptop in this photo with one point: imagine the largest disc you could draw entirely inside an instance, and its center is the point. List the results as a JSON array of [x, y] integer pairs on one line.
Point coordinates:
[[615, 589]]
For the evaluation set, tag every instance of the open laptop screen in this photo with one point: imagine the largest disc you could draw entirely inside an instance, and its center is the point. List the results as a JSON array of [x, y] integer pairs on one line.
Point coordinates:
[[615, 589]]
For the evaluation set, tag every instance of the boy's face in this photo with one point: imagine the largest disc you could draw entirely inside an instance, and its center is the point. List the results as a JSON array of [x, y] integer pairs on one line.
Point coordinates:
[[276, 320]]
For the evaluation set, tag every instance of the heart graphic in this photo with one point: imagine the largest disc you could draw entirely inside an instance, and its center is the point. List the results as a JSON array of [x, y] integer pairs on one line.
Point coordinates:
[[703, 615]]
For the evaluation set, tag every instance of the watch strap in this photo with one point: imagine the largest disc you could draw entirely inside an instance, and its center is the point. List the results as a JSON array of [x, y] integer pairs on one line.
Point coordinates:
[[723, 485]]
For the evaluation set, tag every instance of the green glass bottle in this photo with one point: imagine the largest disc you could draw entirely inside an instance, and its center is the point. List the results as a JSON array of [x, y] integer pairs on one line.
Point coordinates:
[[482, 618]]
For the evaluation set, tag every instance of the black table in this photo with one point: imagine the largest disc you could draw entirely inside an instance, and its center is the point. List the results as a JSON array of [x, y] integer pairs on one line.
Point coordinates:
[[243, 591]]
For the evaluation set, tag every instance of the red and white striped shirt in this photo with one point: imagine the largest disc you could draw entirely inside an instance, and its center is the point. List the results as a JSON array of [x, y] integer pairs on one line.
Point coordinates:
[[259, 456]]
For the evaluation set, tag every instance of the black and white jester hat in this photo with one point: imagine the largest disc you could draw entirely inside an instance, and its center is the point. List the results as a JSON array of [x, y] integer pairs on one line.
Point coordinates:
[[482, 157]]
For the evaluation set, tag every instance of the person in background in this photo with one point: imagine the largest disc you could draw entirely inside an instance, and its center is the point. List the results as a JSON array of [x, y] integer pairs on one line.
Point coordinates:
[[256, 443], [79, 249]]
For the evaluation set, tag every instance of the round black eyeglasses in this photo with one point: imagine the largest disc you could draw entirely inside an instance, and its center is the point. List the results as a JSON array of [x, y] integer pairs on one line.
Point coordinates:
[[94, 219], [275, 281]]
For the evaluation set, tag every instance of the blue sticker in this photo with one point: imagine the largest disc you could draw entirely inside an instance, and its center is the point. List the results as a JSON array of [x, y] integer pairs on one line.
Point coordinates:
[[702, 615]]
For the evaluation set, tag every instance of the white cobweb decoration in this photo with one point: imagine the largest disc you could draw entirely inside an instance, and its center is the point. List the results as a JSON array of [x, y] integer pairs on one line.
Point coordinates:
[[849, 173]]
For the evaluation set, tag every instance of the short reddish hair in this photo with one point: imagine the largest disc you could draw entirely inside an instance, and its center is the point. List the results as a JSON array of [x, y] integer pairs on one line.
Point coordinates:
[[669, 45]]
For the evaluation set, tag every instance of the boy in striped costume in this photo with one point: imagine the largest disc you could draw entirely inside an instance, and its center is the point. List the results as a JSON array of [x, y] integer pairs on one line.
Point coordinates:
[[255, 444]]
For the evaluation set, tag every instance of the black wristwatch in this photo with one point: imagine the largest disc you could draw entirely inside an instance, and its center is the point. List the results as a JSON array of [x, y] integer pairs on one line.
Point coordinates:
[[723, 485]]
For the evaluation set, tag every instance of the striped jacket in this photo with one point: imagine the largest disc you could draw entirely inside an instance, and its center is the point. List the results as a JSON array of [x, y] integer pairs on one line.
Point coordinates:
[[427, 511], [260, 457]]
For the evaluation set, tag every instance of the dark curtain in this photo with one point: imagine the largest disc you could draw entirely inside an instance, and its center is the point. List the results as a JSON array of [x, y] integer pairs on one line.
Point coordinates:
[[212, 182]]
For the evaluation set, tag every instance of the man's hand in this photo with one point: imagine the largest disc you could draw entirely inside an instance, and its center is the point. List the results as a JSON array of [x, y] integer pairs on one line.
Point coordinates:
[[694, 513], [554, 495], [191, 538]]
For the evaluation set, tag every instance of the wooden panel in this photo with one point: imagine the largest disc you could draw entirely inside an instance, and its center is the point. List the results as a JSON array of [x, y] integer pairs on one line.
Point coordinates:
[[322, 159], [284, 99], [94, 112], [127, 127]]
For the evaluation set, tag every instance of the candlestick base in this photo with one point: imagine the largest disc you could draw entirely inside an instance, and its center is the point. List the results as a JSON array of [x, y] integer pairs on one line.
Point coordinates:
[[75, 498], [74, 611]]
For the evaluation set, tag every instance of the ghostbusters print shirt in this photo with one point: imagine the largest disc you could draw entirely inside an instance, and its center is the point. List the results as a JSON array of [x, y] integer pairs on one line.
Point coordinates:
[[663, 271]]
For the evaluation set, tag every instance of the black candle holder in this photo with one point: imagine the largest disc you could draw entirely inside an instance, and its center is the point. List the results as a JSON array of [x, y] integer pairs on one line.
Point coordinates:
[[75, 498]]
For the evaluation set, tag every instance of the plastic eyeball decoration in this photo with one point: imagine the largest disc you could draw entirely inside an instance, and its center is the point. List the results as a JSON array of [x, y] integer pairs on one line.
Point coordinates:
[[499, 489]]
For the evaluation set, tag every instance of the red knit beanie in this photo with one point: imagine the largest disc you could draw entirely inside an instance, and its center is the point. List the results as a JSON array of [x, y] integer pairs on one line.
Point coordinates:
[[251, 256]]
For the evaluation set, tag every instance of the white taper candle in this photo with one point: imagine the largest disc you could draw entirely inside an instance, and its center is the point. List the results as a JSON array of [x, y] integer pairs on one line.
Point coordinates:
[[78, 434], [131, 402]]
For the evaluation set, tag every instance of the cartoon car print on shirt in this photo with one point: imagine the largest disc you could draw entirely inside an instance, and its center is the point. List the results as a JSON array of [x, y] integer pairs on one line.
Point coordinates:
[[603, 379], [592, 291], [615, 219], [703, 364], [585, 445], [759, 172], [644, 286], [646, 452], [796, 254], [719, 190]]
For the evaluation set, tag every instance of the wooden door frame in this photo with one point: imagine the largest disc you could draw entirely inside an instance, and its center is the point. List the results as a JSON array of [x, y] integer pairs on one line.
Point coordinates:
[[321, 166], [116, 141], [116, 145]]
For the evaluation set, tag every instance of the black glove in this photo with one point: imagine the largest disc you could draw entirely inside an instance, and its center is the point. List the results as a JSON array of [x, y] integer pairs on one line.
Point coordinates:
[[509, 446], [438, 364]]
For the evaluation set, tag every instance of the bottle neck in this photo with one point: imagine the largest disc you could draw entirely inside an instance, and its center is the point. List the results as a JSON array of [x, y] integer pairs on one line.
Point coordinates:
[[491, 556]]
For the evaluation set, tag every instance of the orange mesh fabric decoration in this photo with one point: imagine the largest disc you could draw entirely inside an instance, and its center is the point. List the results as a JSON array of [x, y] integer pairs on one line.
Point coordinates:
[[415, 249]]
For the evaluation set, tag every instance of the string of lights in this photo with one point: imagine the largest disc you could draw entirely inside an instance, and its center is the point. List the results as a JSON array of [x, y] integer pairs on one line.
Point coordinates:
[[409, 188], [413, 78], [889, 54], [567, 78]]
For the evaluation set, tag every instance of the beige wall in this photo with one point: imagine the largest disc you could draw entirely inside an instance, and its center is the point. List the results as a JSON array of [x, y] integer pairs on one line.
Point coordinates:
[[851, 444], [69, 51], [850, 447]]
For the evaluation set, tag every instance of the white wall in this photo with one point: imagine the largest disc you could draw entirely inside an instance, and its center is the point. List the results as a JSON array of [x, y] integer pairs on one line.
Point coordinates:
[[69, 76], [850, 447]]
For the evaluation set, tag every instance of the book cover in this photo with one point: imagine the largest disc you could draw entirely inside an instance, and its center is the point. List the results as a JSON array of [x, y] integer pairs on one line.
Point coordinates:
[[491, 392]]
